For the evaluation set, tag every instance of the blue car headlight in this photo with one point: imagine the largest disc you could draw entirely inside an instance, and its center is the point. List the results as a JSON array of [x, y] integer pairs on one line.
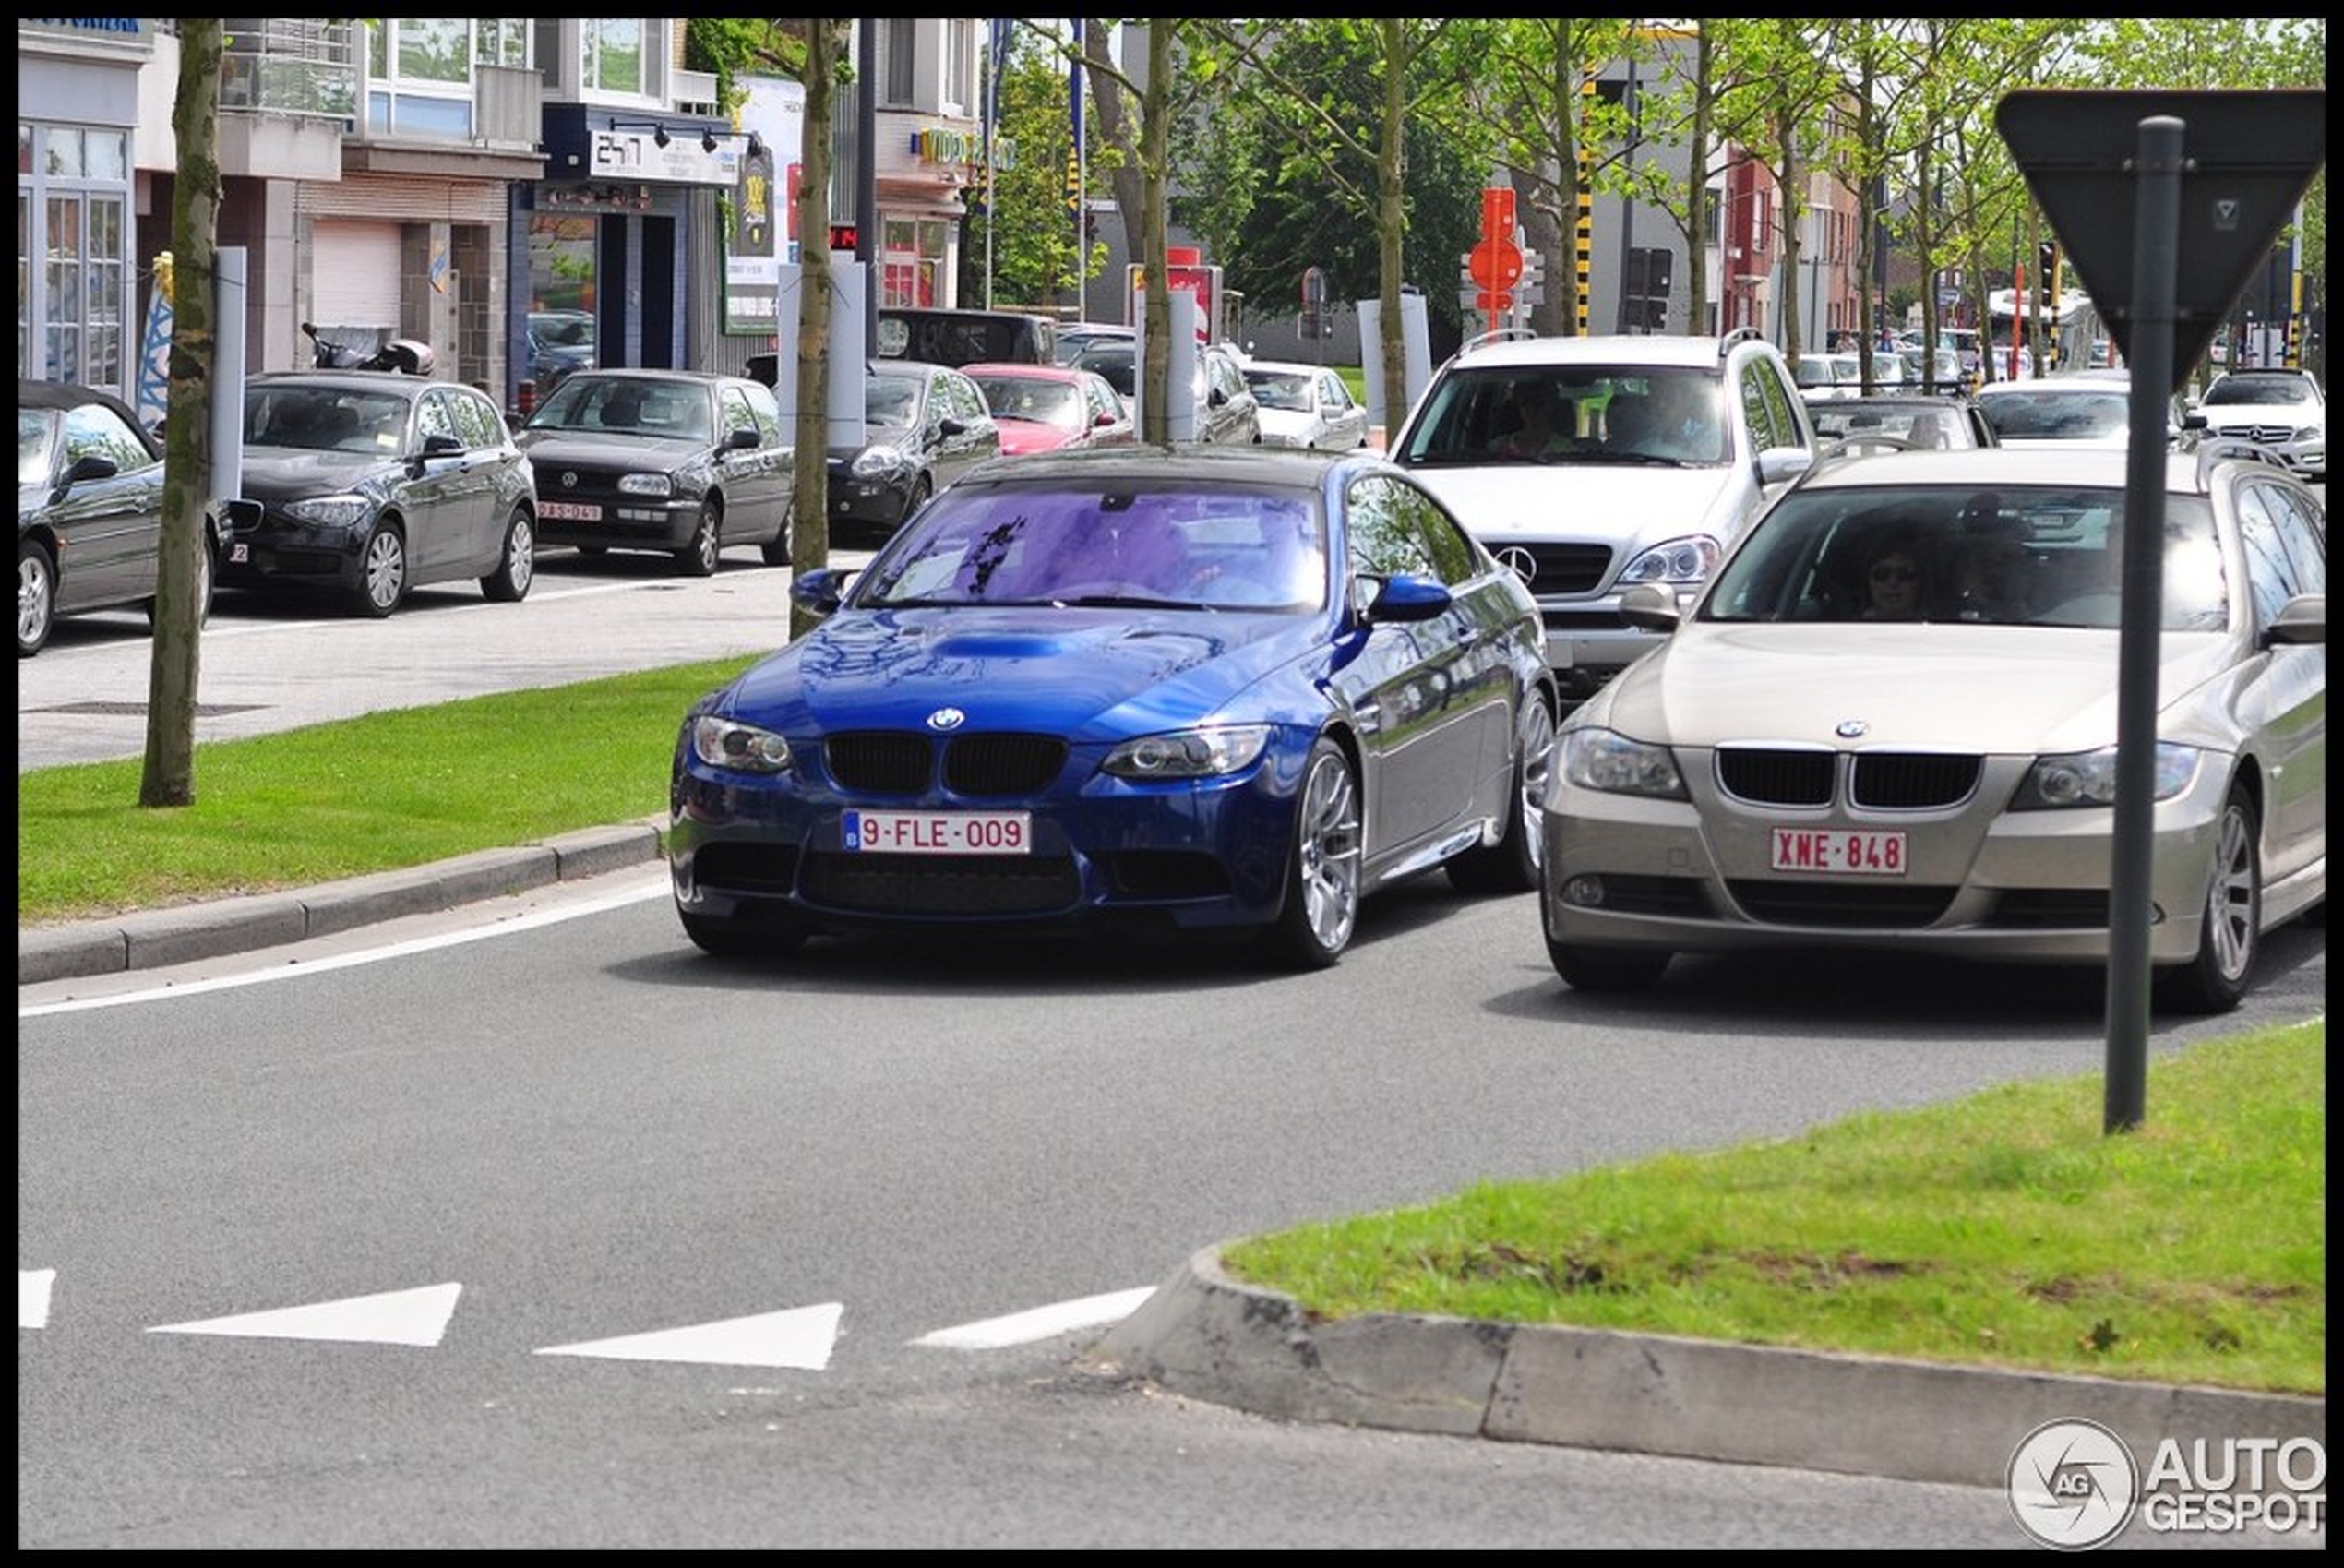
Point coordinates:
[[331, 511], [1190, 754], [645, 484], [2088, 778], [1681, 561], [1609, 762], [727, 743]]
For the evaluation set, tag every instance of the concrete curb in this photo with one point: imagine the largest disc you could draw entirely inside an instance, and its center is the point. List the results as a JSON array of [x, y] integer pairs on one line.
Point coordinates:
[[1207, 1336], [151, 938]]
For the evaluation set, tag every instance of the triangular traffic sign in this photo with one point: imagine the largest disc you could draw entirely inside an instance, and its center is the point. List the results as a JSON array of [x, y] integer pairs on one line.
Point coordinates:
[[2247, 157]]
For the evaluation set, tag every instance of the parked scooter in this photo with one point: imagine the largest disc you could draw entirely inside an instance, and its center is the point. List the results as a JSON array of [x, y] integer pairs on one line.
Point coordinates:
[[354, 348]]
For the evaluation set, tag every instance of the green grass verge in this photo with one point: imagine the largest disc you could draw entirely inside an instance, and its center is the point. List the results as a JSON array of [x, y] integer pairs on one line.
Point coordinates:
[[356, 795], [2006, 1229]]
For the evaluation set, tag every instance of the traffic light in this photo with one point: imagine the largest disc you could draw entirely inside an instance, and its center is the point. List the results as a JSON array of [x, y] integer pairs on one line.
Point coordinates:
[[2047, 266]]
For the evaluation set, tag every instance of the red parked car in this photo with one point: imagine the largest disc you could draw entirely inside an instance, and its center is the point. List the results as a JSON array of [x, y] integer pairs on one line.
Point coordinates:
[[1044, 408]]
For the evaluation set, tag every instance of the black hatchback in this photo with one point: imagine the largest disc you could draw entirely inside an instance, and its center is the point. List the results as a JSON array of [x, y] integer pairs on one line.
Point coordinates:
[[678, 462]]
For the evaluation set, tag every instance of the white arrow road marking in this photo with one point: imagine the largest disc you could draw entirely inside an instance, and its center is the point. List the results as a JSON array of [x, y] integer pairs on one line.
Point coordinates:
[[1041, 1323], [801, 1336], [395, 1317], [32, 1296]]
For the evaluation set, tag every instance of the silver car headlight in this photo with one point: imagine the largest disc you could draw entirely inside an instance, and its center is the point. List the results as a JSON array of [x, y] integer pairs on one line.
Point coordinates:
[[1607, 761], [727, 743], [1681, 561], [873, 461], [645, 484], [1190, 754], [331, 511], [2088, 778]]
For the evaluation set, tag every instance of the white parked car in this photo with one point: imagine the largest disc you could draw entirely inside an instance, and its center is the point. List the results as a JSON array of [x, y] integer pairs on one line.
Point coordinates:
[[1890, 725], [1305, 405]]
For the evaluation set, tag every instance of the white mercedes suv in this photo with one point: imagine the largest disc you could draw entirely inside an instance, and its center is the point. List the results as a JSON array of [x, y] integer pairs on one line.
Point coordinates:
[[1661, 450]]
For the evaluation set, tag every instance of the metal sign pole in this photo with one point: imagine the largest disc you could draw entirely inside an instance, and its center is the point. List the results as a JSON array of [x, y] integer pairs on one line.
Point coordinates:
[[2156, 252]]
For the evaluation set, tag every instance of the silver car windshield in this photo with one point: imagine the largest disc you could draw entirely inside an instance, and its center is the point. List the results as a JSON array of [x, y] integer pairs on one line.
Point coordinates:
[[2036, 557]]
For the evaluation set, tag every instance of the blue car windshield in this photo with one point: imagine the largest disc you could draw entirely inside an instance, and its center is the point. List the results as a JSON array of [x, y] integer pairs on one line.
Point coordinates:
[[1212, 547]]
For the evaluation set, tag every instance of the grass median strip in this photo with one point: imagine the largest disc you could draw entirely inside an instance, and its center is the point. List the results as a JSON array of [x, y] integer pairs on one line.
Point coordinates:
[[2005, 1229], [401, 788]]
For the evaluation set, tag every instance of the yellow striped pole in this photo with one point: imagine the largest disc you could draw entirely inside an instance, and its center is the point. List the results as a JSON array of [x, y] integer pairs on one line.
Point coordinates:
[[1586, 234]]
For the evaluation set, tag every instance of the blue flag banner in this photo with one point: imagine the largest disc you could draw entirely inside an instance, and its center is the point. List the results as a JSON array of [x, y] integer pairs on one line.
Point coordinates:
[[154, 350]]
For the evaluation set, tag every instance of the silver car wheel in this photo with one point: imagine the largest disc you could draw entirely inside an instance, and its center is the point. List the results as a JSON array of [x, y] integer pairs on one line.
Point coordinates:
[[384, 575], [1329, 850], [36, 598], [1537, 765], [2233, 905]]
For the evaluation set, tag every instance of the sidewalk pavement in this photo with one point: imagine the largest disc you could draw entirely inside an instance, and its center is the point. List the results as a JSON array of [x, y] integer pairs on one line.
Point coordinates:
[[1211, 1337]]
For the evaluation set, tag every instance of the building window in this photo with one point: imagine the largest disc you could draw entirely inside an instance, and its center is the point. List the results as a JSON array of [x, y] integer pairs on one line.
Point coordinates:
[[960, 65], [500, 43], [419, 77], [899, 55], [73, 251], [614, 56]]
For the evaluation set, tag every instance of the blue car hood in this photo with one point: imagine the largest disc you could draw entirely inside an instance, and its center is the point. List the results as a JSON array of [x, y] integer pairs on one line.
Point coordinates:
[[1087, 674]]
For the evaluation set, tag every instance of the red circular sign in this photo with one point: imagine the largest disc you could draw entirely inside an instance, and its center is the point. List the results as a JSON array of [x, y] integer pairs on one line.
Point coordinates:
[[1496, 264]]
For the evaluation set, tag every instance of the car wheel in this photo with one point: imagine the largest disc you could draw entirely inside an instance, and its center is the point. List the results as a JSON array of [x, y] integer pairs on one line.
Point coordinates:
[[698, 558], [1511, 865], [776, 550], [2230, 938], [1323, 872], [205, 585], [922, 488], [36, 597], [737, 938], [508, 584], [382, 579]]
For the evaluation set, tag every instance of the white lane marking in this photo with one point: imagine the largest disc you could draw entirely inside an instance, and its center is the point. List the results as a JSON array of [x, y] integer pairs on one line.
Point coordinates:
[[32, 1296], [395, 1317], [800, 1337], [343, 961], [1041, 1323]]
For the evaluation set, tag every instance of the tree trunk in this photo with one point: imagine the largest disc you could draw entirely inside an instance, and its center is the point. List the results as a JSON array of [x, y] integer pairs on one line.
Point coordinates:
[[809, 495], [168, 778]]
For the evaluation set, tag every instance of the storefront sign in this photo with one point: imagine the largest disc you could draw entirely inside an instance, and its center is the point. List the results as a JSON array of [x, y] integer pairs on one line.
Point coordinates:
[[637, 155]]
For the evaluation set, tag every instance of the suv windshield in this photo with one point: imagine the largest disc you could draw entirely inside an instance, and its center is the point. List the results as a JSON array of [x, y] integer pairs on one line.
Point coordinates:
[[1581, 414]]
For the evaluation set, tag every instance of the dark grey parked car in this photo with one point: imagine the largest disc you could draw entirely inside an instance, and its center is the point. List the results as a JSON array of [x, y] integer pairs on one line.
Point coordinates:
[[368, 483], [677, 461]]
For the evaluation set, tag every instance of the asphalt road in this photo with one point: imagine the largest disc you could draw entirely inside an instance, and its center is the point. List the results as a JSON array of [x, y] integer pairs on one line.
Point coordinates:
[[663, 1251]]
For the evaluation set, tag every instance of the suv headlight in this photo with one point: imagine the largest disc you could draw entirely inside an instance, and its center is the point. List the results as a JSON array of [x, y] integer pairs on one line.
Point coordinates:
[[1682, 561]]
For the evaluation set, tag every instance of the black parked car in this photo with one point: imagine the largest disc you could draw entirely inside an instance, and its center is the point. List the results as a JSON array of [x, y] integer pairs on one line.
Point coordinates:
[[368, 483], [673, 460], [89, 510], [926, 425]]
